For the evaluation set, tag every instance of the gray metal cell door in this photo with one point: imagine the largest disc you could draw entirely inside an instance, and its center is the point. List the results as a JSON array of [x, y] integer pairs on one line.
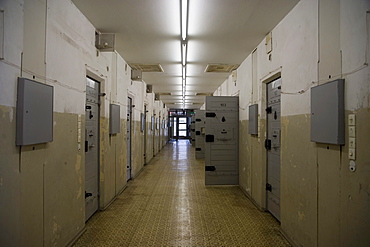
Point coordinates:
[[91, 148], [272, 145], [221, 140], [129, 134]]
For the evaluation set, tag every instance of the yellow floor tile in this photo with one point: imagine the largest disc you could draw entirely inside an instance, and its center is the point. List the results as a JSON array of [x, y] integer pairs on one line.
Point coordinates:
[[169, 205]]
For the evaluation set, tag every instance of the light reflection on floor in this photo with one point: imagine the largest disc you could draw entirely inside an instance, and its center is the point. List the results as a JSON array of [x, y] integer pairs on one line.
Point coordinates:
[[168, 205]]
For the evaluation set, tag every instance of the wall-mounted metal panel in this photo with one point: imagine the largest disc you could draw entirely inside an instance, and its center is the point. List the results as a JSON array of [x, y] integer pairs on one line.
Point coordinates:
[[34, 112], [115, 119], [253, 120], [327, 113]]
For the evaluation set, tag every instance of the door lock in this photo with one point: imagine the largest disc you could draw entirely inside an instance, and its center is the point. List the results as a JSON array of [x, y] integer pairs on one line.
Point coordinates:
[[87, 194]]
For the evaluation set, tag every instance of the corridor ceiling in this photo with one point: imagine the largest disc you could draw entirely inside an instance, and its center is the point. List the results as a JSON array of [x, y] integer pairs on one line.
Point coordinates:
[[221, 32]]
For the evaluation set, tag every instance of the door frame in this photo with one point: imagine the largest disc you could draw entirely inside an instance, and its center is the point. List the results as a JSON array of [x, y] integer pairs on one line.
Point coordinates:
[[270, 77], [129, 144], [101, 83]]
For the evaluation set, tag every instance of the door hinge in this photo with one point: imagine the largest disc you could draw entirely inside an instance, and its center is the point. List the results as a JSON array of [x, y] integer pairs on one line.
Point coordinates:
[[268, 187], [210, 138], [210, 168], [269, 110], [210, 114], [268, 144], [87, 194]]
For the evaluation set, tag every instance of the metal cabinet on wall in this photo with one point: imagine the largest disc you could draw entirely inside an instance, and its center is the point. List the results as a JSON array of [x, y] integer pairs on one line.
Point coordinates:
[[222, 130]]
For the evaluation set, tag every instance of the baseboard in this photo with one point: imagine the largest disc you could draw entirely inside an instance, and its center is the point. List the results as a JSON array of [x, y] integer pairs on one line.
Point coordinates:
[[293, 243], [138, 173], [113, 199], [78, 235], [252, 200]]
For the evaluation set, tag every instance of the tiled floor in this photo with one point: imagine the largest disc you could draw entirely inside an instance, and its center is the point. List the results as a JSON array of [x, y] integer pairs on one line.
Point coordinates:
[[168, 205]]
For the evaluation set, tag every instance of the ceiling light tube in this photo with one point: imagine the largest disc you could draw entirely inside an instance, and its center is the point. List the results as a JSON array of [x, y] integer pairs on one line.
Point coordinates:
[[184, 54], [184, 19]]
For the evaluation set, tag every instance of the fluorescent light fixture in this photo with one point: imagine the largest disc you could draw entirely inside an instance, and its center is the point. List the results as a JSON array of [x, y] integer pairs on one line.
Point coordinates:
[[183, 73], [184, 54], [184, 19]]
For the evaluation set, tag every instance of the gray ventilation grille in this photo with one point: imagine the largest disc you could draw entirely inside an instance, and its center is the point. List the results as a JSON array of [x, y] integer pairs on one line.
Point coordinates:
[[146, 67], [222, 68]]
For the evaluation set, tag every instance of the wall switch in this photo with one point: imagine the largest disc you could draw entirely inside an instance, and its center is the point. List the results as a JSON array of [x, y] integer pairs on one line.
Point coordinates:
[[351, 119], [352, 154], [352, 142], [352, 131]]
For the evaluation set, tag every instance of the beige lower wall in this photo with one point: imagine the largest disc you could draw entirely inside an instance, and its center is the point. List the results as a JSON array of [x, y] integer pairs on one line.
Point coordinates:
[[149, 142], [354, 199], [41, 187], [113, 160], [252, 164], [10, 183], [137, 149], [323, 203], [298, 183], [64, 182]]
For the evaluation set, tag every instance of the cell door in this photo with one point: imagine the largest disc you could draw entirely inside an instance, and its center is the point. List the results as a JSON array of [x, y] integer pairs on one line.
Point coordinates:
[[91, 148], [272, 144], [129, 135], [222, 140]]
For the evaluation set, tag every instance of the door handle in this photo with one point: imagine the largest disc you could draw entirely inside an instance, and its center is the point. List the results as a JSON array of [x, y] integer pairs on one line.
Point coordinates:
[[87, 194]]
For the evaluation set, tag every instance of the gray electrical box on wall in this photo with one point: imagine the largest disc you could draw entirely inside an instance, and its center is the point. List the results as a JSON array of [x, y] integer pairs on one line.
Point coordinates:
[[34, 112], [114, 122], [327, 113], [253, 120]]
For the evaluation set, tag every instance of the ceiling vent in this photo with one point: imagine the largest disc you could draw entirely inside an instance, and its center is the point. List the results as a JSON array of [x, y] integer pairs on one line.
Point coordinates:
[[146, 67], [204, 94], [221, 68]]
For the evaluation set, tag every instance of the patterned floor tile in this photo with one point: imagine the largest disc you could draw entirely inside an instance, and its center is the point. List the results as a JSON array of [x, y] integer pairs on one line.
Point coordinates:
[[169, 205]]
